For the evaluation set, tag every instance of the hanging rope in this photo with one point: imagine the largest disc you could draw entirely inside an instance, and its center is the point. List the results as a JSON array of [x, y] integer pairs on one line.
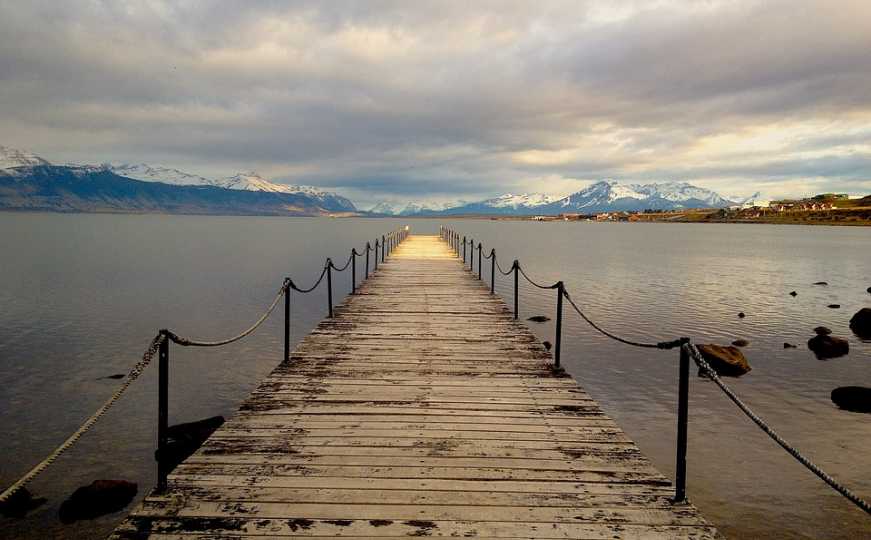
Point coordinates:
[[187, 342], [499, 268], [540, 286], [661, 345], [89, 423], [313, 287], [709, 372], [342, 269]]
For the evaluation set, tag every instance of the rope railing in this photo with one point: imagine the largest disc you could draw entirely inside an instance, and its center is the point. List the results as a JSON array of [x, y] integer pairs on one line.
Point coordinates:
[[159, 346], [687, 350]]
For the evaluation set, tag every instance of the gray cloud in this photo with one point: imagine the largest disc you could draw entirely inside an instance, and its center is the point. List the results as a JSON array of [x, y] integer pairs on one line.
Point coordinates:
[[446, 99]]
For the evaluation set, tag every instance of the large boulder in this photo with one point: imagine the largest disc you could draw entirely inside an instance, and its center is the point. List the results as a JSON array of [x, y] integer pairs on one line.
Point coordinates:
[[727, 361], [852, 398], [99, 498], [860, 324], [185, 439], [826, 346]]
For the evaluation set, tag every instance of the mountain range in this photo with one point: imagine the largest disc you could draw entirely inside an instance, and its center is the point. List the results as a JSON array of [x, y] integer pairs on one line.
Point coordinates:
[[29, 182], [604, 196]]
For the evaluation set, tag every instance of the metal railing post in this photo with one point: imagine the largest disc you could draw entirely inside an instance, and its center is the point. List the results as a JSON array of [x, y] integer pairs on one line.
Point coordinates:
[[330, 286], [492, 271], [162, 411], [561, 290], [464, 251], [382, 248], [368, 249], [376, 254], [680, 483], [472, 255], [353, 270], [479, 260], [516, 288], [286, 319]]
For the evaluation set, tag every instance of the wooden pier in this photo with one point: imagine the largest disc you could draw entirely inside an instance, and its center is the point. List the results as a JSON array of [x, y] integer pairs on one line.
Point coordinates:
[[421, 409]]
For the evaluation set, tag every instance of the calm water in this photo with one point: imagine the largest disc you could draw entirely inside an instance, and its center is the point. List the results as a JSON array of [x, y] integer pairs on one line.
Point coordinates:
[[82, 295]]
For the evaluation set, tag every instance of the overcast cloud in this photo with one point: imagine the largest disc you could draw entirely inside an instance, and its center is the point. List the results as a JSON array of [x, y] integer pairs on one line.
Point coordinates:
[[450, 100]]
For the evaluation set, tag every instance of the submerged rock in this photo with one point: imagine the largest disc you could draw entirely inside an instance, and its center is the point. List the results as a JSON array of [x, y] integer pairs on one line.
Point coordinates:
[[538, 318], [741, 315], [822, 331], [547, 345], [789, 346], [860, 323], [20, 503], [852, 398], [821, 283], [185, 439], [793, 293], [115, 376], [826, 346], [740, 343], [834, 306], [726, 361], [868, 290], [99, 498]]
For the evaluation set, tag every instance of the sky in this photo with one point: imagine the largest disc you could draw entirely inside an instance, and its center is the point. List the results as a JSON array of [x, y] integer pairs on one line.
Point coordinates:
[[445, 101]]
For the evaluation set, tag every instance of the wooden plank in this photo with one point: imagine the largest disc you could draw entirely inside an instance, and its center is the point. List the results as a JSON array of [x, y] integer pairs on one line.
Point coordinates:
[[421, 409]]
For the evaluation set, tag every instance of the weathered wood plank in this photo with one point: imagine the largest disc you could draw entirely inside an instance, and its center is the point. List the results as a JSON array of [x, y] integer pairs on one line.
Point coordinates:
[[421, 409]]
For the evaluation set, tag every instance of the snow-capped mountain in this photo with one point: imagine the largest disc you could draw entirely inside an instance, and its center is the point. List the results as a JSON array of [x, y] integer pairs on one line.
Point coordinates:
[[610, 195], [385, 208], [518, 201], [248, 181], [147, 173], [10, 158]]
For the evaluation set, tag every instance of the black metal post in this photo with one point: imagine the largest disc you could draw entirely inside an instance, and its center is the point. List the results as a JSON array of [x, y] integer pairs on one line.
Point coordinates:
[[286, 320], [353, 270], [464, 251], [162, 411], [680, 487], [376, 254], [561, 290], [330, 286], [492, 271], [516, 267], [479, 260], [368, 249], [472, 255], [382, 248]]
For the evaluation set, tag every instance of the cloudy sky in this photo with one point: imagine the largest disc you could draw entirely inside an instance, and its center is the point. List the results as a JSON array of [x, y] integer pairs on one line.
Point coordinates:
[[444, 100]]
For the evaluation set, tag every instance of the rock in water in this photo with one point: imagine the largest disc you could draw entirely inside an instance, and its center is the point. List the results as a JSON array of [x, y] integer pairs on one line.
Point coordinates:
[[868, 289], [740, 343], [99, 498], [860, 324], [793, 293], [20, 503], [538, 318], [822, 331], [852, 398], [741, 315], [821, 283], [726, 361], [546, 344], [826, 346], [185, 439], [834, 306], [789, 346]]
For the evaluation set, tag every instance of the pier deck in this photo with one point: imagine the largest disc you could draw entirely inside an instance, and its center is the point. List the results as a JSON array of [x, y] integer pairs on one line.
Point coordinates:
[[421, 409]]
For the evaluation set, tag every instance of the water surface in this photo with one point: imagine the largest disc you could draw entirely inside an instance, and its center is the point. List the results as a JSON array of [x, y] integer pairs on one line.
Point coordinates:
[[82, 295]]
